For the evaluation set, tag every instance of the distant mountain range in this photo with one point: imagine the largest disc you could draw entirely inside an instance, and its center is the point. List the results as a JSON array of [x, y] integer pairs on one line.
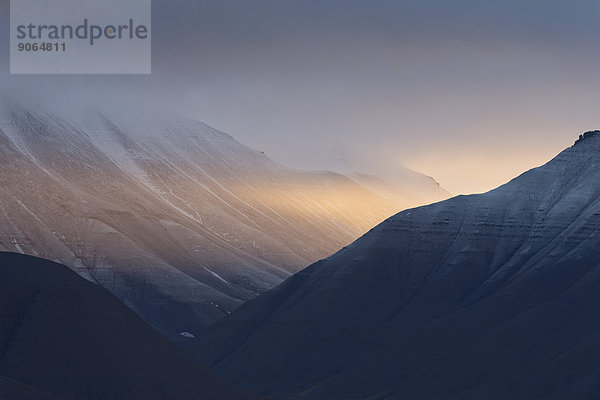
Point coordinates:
[[62, 337], [491, 296], [179, 221]]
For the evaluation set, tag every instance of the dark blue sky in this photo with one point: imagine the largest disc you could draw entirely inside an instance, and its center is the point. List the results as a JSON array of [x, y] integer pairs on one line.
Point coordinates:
[[451, 88]]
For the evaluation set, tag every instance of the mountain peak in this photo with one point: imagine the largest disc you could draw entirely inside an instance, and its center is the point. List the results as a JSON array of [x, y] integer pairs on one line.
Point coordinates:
[[470, 296], [587, 135]]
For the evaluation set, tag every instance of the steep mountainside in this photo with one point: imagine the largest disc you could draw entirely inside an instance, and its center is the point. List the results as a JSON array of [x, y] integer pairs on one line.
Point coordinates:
[[178, 220], [492, 296], [62, 335]]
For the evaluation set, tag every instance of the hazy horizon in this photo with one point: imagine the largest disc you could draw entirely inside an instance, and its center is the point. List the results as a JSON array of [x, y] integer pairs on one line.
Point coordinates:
[[471, 94]]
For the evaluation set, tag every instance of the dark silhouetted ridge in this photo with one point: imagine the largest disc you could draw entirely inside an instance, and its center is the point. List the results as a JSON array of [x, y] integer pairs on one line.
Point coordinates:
[[587, 135], [63, 336]]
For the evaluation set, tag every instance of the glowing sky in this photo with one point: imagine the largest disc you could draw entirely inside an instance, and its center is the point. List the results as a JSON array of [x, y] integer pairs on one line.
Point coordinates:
[[469, 92]]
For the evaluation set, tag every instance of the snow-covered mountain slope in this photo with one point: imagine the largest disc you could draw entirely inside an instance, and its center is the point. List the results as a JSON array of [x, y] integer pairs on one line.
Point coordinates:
[[63, 336], [178, 220], [491, 296]]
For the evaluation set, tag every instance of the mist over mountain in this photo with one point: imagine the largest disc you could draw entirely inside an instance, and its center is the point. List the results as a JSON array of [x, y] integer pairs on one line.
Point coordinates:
[[407, 187], [178, 220], [62, 337], [491, 296]]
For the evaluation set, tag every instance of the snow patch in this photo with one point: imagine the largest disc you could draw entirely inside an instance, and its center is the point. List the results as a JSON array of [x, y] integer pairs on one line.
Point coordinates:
[[216, 275], [17, 246]]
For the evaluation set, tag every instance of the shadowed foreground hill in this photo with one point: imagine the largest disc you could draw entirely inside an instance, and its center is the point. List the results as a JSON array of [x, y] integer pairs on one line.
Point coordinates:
[[12, 390], [63, 336], [492, 296]]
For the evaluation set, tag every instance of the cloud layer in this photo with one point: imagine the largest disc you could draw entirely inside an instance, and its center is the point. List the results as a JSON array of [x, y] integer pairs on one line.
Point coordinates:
[[451, 89]]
